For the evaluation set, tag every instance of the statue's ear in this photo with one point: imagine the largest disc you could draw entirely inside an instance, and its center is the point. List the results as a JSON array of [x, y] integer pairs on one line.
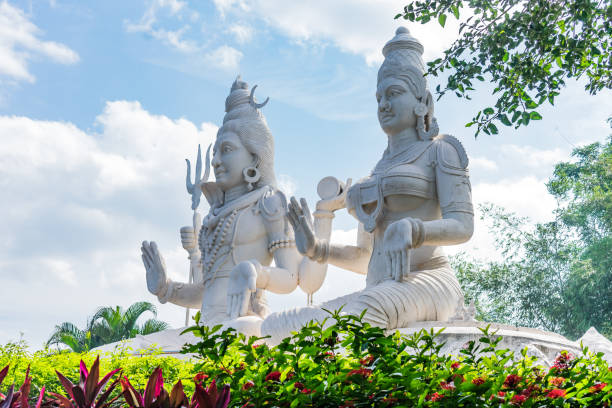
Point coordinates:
[[256, 160], [430, 108], [429, 101]]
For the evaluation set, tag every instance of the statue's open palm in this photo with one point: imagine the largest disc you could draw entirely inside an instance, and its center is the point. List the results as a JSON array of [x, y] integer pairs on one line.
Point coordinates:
[[397, 243], [301, 221], [156, 268]]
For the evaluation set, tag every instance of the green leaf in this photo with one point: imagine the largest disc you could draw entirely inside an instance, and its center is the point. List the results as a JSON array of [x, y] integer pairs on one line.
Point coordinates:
[[535, 116], [488, 111], [503, 118], [442, 19], [455, 11]]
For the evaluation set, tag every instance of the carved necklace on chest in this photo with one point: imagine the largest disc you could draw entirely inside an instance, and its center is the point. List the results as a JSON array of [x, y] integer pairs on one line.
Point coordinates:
[[218, 229], [214, 237]]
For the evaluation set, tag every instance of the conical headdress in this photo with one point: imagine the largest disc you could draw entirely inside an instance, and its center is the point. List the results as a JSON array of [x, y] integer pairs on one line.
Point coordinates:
[[241, 104], [403, 58]]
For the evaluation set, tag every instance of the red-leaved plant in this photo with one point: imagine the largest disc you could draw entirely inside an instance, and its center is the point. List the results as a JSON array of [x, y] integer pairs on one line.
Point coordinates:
[[19, 399], [86, 394], [211, 397], [155, 396]]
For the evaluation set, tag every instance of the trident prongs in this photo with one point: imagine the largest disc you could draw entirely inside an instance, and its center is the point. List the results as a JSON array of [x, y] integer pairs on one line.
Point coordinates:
[[193, 188]]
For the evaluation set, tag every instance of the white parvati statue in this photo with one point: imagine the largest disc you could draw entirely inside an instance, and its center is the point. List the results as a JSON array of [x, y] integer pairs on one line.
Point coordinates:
[[416, 200], [245, 229]]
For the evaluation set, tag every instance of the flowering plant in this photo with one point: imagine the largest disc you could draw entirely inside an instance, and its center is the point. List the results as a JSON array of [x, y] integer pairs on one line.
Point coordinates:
[[344, 362]]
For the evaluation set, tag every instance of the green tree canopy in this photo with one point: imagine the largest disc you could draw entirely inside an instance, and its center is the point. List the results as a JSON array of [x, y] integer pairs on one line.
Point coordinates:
[[527, 48], [555, 275], [107, 325]]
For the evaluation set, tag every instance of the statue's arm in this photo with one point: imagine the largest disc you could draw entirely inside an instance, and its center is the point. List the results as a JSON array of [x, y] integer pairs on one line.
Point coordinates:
[[454, 195], [183, 294], [354, 258], [166, 290], [283, 277]]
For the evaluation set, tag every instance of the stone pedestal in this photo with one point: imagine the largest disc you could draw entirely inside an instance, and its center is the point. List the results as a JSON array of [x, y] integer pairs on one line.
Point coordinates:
[[545, 346]]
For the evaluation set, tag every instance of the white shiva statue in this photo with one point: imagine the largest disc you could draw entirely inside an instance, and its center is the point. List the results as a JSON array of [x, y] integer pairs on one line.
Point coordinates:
[[416, 200], [245, 229]]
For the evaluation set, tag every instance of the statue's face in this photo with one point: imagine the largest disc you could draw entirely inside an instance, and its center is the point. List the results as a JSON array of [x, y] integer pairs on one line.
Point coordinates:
[[230, 157], [396, 104]]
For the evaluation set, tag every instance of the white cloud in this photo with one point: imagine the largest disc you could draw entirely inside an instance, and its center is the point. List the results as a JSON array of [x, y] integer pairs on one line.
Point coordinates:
[[526, 196], [533, 157], [482, 163], [20, 43], [242, 33], [149, 24], [286, 184], [76, 206], [163, 13], [225, 57], [355, 26]]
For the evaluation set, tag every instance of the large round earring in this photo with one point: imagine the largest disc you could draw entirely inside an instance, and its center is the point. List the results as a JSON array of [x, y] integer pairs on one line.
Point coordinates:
[[251, 176], [425, 134]]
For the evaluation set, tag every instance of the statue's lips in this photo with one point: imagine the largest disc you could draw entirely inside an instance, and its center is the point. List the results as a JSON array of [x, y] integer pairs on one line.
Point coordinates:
[[386, 117]]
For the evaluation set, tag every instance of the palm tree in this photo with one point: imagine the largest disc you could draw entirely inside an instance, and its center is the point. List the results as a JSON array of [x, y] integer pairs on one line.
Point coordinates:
[[107, 325]]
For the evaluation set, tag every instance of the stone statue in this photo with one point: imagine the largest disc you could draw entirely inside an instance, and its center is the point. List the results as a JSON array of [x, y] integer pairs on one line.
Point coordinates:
[[245, 229], [416, 200]]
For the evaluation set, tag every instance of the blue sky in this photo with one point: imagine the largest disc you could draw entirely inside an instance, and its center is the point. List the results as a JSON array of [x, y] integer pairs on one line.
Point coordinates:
[[101, 102]]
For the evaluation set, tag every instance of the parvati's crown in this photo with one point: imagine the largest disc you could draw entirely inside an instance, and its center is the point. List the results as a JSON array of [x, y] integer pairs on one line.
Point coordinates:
[[403, 57]]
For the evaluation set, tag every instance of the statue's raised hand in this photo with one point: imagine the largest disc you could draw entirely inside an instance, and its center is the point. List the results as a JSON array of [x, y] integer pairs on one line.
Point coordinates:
[[332, 193], [157, 282], [397, 243], [188, 239], [301, 221], [242, 283]]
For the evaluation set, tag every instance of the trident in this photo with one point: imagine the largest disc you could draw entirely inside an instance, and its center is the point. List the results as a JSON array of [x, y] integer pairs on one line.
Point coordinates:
[[195, 191]]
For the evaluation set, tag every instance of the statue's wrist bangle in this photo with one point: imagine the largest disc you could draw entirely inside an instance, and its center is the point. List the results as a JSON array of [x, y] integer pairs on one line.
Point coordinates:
[[167, 295], [323, 214], [418, 232], [321, 251], [263, 275]]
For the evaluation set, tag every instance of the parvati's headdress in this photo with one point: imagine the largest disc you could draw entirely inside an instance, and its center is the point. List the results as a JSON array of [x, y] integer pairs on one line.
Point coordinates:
[[403, 60]]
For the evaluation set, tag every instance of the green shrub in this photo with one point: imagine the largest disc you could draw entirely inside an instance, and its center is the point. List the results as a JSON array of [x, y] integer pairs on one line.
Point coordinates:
[[348, 363], [44, 363]]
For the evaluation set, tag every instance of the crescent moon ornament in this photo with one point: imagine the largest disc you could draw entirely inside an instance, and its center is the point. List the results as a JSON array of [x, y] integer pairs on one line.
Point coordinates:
[[252, 100]]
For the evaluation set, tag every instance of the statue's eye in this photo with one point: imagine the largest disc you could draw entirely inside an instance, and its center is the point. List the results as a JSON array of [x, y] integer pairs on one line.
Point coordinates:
[[227, 149]]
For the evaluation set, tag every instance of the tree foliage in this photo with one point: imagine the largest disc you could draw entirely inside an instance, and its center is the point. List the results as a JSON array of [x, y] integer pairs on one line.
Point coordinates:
[[107, 325], [527, 48], [555, 275]]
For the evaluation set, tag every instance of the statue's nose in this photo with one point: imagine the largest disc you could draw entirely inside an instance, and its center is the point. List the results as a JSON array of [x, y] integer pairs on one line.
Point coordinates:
[[215, 162], [383, 105]]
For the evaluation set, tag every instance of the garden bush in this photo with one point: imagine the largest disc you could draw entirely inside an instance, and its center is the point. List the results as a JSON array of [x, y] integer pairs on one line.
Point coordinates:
[[344, 363]]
